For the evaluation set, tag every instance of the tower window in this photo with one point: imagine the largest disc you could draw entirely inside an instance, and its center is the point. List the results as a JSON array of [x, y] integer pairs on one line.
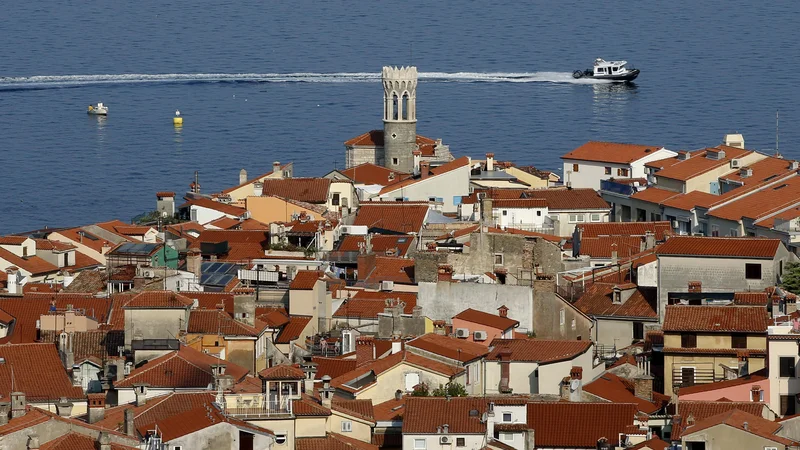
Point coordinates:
[[394, 106], [405, 106], [395, 161]]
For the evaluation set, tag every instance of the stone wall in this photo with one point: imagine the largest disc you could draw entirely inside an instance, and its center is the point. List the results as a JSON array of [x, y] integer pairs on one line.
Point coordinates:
[[443, 300], [547, 308]]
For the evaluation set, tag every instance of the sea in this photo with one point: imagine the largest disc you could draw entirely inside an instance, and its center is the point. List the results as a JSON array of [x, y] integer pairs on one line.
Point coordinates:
[[264, 81]]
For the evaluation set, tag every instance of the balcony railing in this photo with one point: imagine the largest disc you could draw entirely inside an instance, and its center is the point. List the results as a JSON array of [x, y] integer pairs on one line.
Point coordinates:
[[617, 188], [250, 406], [700, 375]]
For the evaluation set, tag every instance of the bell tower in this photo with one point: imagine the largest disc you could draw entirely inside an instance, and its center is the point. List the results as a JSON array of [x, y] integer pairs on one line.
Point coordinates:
[[399, 117]]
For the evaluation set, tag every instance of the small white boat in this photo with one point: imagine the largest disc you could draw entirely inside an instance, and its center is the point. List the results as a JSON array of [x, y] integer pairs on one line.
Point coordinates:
[[608, 70], [98, 110]]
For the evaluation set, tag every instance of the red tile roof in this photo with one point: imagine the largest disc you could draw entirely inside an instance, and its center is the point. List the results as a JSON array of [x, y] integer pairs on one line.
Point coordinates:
[[369, 173], [423, 415], [272, 317], [390, 410], [382, 365], [701, 410], [751, 298], [762, 203], [216, 206], [374, 138], [46, 244], [293, 329], [211, 300], [209, 321], [543, 351], [399, 270], [398, 217], [12, 240], [690, 200], [435, 171], [242, 244], [224, 223], [28, 310], [697, 164], [597, 420], [32, 264], [789, 214], [380, 243], [619, 390], [309, 406], [184, 368], [310, 190], [305, 280], [659, 229], [743, 421], [597, 300], [76, 441], [368, 304], [361, 409], [611, 152], [525, 203], [282, 372], [159, 300], [333, 367], [490, 320], [36, 370], [744, 319], [332, 441], [254, 180], [602, 247], [94, 345], [558, 199], [654, 195], [719, 247], [755, 377], [448, 347], [654, 443]]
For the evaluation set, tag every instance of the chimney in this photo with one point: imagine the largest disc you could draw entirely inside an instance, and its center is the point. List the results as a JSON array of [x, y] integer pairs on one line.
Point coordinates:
[[417, 159], [489, 162], [503, 311], [310, 371], [140, 389], [244, 305], [424, 169], [397, 346], [276, 170], [794, 165], [194, 262], [486, 211], [649, 240], [505, 370], [755, 393], [128, 426], [745, 172], [64, 407], [614, 258], [105, 440], [97, 407], [530, 441], [5, 409], [445, 273], [398, 395], [446, 429], [33, 441], [326, 393], [683, 155], [416, 312], [575, 384], [643, 386], [365, 350], [18, 404], [242, 176], [695, 287], [14, 284], [120, 375], [563, 390]]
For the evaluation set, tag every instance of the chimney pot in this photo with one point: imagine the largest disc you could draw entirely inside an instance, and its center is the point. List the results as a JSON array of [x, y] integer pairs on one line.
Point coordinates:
[[33, 441], [105, 440], [128, 426], [18, 404]]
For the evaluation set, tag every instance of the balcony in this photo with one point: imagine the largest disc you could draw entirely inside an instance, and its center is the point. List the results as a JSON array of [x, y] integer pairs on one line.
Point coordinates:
[[689, 376], [254, 406], [614, 187]]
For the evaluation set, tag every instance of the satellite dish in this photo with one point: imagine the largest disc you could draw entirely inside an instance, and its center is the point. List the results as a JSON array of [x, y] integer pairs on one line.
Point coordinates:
[[573, 385]]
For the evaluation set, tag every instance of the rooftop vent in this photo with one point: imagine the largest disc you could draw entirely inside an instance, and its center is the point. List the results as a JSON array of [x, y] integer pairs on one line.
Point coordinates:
[[715, 154]]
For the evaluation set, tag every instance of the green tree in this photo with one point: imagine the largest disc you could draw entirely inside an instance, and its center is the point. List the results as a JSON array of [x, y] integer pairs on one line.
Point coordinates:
[[791, 278], [420, 390], [450, 390]]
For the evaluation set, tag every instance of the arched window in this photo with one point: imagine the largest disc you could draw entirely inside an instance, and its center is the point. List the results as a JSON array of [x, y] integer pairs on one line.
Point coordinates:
[[394, 106], [405, 106]]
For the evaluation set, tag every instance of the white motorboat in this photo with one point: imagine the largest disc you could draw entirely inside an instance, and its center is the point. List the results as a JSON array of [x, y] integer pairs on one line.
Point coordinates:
[[98, 110], [608, 70]]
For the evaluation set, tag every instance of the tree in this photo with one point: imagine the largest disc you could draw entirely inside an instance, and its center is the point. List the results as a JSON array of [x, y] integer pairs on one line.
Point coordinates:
[[791, 278], [450, 390], [420, 390]]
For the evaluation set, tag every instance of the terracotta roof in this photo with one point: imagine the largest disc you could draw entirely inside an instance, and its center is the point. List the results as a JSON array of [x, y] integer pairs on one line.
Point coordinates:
[[41, 287], [424, 414], [332, 441], [282, 372], [602, 247], [272, 317], [46, 244], [558, 199], [224, 223], [165, 194], [333, 367], [697, 164], [597, 300], [211, 300], [751, 298], [690, 200], [627, 358], [369, 173], [520, 203], [254, 180], [654, 443], [449, 347], [762, 203], [216, 206], [755, 377], [543, 351], [361, 409], [741, 420], [13, 240], [719, 247], [242, 244], [36, 370], [789, 214], [490, 320], [619, 390], [133, 230], [654, 195], [77, 441], [309, 406], [659, 229], [597, 420], [97, 344], [399, 270], [368, 304], [382, 365], [304, 226], [158, 300], [435, 171], [293, 329], [745, 319], [305, 280], [156, 409], [252, 224], [398, 217], [29, 309], [390, 410], [380, 243], [32, 264], [374, 138], [184, 368], [311, 190], [611, 152], [209, 321]]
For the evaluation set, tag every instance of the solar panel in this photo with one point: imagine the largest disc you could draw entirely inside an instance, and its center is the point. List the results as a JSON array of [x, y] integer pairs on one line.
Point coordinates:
[[216, 279]]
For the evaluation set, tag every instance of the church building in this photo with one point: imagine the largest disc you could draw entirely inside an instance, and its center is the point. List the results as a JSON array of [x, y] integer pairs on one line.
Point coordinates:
[[394, 146]]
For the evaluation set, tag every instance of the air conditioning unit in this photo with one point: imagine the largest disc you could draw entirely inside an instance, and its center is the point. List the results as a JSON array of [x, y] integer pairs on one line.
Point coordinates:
[[480, 335], [445, 440], [462, 333], [387, 285], [734, 164], [674, 224]]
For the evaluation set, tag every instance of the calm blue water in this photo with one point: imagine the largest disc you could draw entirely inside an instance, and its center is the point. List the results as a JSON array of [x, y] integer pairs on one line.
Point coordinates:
[[708, 69]]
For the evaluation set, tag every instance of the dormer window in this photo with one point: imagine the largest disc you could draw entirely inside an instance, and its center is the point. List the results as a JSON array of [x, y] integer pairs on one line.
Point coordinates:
[[617, 297]]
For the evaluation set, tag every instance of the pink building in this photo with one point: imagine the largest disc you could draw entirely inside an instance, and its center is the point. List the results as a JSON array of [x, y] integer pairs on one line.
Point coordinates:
[[749, 388], [483, 328]]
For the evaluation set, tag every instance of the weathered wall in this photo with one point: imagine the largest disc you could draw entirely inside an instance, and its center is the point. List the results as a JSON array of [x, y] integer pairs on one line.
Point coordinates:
[[522, 377], [241, 352], [547, 307], [53, 429], [393, 379], [218, 437], [613, 332], [360, 430], [153, 324], [725, 437], [443, 300]]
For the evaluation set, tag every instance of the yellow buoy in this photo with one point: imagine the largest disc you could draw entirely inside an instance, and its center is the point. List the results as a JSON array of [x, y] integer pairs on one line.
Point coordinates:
[[177, 120]]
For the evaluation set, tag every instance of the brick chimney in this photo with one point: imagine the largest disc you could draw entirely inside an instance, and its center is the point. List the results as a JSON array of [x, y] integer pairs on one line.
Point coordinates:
[[503, 311], [18, 404], [417, 159], [365, 350], [695, 286], [445, 272], [366, 264], [643, 387], [244, 305], [505, 370], [194, 262], [755, 393], [64, 407], [128, 426], [276, 169], [424, 169], [97, 407]]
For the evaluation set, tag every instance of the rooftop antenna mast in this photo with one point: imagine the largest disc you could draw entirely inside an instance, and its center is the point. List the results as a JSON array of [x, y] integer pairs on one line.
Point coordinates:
[[777, 122]]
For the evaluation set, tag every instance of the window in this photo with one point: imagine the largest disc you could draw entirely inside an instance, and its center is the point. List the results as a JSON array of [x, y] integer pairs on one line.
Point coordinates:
[[347, 426], [638, 330], [506, 417], [561, 316], [689, 340], [734, 232], [622, 172], [335, 199], [608, 170], [419, 444], [786, 364], [715, 230], [538, 214], [787, 405], [752, 271], [469, 378], [575, 218], [576, 168], [431, 199], [498, 259], [177, 447], [505, 212], [395, 161], [595, 217], [280, 438], [412, 379], [687, 376], [461, 442], [739, 341], [398, 199], [507, 436]]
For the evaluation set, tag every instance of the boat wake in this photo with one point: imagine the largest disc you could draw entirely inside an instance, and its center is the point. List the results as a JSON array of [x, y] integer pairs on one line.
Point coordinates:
[[61, 81]]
